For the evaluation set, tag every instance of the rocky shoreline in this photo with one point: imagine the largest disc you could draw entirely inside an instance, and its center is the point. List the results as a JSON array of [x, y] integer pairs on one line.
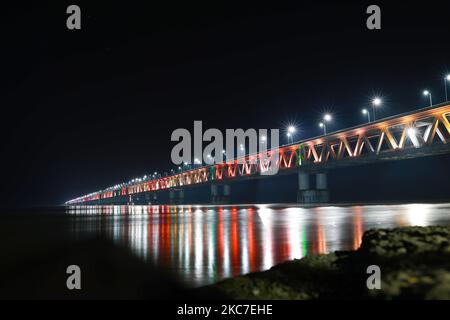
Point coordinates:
[[414, 263]]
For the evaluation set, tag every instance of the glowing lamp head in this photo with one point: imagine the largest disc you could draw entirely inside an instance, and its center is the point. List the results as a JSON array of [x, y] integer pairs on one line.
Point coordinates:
[[288, 134], [327, 117], [263, 138], [447, 77], [364, 111], [321, 124], [426, 92], [291, 129], [376, 101]]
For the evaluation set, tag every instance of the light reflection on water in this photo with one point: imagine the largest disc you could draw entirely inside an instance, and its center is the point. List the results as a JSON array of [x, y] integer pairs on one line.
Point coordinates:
[[203, 244]]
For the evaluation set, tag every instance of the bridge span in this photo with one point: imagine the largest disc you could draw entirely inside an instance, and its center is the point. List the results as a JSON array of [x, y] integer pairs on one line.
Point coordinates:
[[419, 133]]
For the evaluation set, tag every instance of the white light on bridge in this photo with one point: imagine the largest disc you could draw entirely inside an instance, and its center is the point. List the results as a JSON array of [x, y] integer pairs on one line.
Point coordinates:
[[428, 93], [366, 112], [377, 101], [412, 136]]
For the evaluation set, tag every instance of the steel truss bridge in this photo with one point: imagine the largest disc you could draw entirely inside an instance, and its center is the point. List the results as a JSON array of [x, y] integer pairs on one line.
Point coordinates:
[[423, 132]]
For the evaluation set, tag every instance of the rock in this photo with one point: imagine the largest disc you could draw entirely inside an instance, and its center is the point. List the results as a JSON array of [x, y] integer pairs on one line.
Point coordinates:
[[414, 264]]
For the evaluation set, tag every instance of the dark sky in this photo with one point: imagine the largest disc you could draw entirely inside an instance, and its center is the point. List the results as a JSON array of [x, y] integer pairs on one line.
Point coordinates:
[[86, 109]]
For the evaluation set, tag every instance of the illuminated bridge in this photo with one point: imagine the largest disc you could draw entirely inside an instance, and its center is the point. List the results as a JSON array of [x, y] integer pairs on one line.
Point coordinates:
[[420, 133]]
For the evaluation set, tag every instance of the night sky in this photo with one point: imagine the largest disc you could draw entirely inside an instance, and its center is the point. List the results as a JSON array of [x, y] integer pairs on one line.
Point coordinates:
[[83, 110]]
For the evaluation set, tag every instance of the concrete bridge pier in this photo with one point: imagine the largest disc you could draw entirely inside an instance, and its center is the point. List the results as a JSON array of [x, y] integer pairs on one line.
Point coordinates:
[[153, 198], [148, 198], [226, 193], [176, 196], [121, 200], [214, 193], [220, 194], [306, 194]]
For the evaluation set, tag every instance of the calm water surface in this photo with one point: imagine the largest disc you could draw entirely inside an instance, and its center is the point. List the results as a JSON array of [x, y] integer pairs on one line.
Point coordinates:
[[203, 244]]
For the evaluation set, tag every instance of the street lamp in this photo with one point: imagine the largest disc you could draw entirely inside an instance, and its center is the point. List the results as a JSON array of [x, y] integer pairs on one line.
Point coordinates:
[[447, 78], [323, 124], [428, 93], [364, 111], [376, 102], [290, 133], [288, 136]]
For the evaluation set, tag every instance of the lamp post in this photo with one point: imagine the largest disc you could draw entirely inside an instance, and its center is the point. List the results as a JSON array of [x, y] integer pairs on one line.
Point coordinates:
[[291, 130], [428, 93], [323, 124], [376, 102], [447, 78], [364, 111]]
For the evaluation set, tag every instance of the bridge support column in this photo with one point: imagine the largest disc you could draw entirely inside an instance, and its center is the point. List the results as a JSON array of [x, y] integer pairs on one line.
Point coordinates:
[[214, 193], [181, 196], [218, 197], [147, 198], [226, 193], [323, 194], [153, 198], [176, 196], [306, 195]]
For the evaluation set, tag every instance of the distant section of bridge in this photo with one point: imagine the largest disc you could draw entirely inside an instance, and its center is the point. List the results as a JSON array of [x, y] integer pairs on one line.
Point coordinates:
[[419, 133]]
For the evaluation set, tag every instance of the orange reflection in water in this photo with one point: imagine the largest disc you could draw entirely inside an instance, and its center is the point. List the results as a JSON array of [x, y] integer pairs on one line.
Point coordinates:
[[319, 245], [234, 242], [357, 227], [251, 240]]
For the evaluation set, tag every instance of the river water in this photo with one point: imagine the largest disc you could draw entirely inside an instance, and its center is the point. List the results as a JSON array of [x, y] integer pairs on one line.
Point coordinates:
[[204, 244]]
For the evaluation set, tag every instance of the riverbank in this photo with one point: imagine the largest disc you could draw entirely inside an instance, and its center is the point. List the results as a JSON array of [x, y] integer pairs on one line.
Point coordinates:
[[414, 264]]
